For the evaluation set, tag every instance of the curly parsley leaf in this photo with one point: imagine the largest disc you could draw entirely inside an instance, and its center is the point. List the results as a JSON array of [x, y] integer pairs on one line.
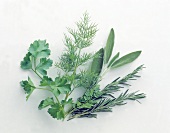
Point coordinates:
[[65, 102], [44, 65], [28, 87], [39, 48], [46, 81], [64, 89], [60, 81], [26, 63], [56, 111], [45, 103], [55, 91]]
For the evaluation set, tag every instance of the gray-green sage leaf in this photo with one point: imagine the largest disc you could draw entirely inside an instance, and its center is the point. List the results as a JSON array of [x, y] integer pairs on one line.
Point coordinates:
[[126, 59], [109, 46]]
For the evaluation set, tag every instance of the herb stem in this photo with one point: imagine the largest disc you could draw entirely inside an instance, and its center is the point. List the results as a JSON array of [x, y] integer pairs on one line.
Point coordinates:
[[57, 100], [104, 71], [69, 112], [34, 62], [43, 89], [36, 73], [71, 91], [66, 96]]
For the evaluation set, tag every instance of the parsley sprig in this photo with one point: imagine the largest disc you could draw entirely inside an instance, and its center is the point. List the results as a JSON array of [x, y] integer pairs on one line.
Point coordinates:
[[73, 77]]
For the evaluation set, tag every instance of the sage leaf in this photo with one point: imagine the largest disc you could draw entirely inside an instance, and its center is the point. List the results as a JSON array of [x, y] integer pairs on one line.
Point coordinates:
[[97, 62], [109, 46], [126, 59]]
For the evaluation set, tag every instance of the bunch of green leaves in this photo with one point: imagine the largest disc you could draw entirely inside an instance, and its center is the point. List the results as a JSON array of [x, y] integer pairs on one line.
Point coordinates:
[[95, 99]]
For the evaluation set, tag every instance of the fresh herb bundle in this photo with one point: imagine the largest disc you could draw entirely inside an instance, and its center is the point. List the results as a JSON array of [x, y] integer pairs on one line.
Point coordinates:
[[72, 78]]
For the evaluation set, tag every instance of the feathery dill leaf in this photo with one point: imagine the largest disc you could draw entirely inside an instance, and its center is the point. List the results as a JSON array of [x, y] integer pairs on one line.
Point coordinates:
[[85, 79], [77, 39]]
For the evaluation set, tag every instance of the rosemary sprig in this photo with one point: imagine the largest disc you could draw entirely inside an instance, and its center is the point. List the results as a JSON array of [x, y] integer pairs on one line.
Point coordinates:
[[120, 83], [105, 105], [103, 100]]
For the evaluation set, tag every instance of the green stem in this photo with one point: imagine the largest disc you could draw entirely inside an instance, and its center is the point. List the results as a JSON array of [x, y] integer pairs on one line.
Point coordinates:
[[51, 92], [36, 73], [66, 96], [34, 66], [69, 112], [43, 89], [58, 100], [34, 63], [71, 92], [106, 69]]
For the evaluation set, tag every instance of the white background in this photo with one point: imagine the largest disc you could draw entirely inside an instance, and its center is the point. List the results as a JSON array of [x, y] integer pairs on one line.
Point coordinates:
[[139, 25]]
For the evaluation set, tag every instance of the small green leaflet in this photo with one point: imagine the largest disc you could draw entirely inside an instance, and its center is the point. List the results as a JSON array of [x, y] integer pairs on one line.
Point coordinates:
[[109, 46], [55, 91], [46, 81], [39, 49], [126, 59], [44, 65], [56, 112], [60, 81], [45, 103], [28, 87], [64, 89], [62, 86], [26, 63], [65, 102], [97, 62]]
